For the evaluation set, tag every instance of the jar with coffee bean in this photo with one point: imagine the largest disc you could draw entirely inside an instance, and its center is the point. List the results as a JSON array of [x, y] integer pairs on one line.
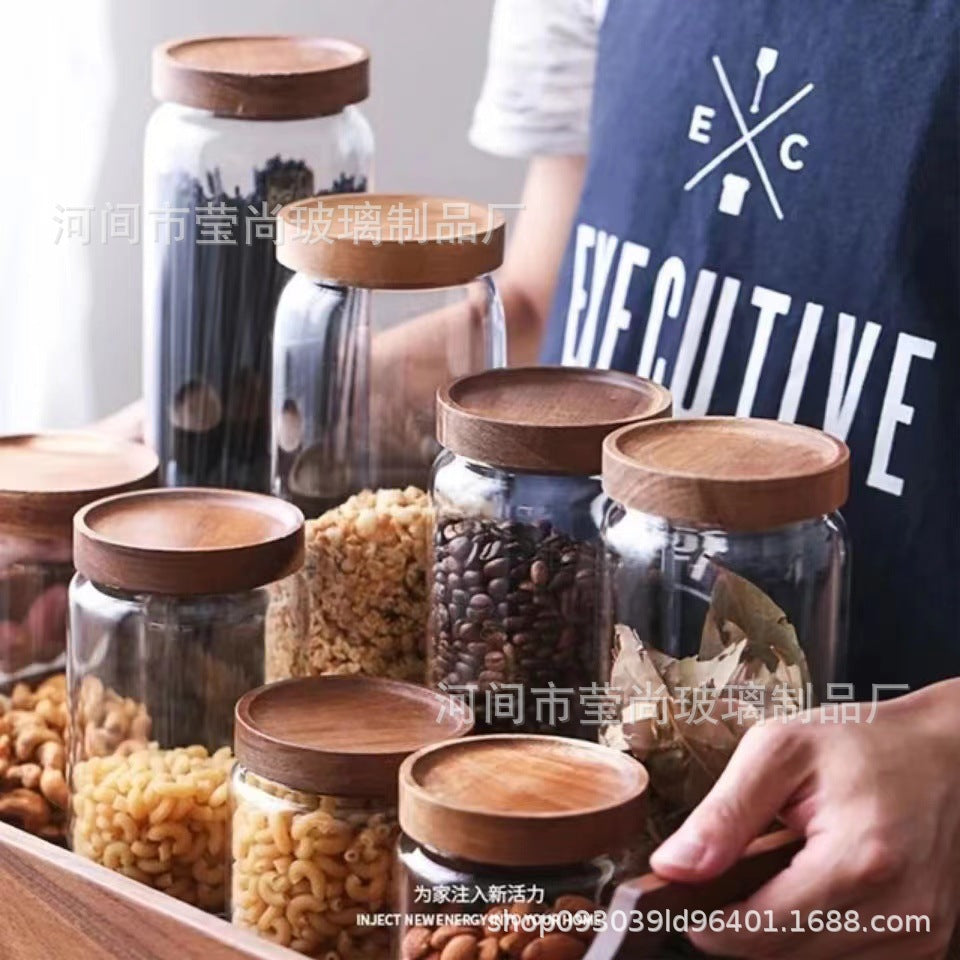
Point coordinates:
[[315, 807], [393, 296], [167, 622], [514, 616], [518, 840]]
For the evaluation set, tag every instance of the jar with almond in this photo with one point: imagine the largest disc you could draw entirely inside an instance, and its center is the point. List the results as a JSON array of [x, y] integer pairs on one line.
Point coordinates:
[[512, 844], [315, 807]]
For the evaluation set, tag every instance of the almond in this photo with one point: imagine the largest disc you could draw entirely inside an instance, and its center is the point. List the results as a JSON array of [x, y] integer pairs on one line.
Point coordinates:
[[555, 946], [416, 943], [462, 947]]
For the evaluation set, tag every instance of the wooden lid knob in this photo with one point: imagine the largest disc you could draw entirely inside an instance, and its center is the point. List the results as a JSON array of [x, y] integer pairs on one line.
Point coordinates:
[[262, 77], [545, 419], [344, 736], [522, 800], [186, 541], [738, 474]]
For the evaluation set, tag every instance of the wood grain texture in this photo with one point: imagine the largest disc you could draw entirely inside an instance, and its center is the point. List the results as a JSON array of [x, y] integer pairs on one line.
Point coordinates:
[[188, 541], [58, 906], [544, 419], [262, 77], [345, 736], [353, 239], [45, 478], [739, 474], [518, 800]]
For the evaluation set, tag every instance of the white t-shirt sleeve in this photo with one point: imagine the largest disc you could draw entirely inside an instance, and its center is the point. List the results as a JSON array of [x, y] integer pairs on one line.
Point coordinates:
[[539, 84]]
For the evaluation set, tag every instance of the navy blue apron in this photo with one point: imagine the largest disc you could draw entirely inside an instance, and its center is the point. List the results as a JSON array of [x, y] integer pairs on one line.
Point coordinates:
[[770, 227]]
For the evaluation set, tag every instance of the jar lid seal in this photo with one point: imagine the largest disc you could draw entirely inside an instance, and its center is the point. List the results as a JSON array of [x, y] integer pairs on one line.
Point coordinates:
[[45, 478], [380, 241], [518, 800], [736, 473], [262, 77], [544, 419], [188, 541], [342, 735]]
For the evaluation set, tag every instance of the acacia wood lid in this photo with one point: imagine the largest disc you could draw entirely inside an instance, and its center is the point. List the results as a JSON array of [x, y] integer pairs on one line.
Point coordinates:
[[518, 800], [343, 736], [188, 541], [45, 478], [262, 77], [390, 241], [546, 419], [739, 474]]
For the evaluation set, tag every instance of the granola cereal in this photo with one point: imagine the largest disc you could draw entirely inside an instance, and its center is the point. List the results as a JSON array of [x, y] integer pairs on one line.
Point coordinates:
[[366, 570]]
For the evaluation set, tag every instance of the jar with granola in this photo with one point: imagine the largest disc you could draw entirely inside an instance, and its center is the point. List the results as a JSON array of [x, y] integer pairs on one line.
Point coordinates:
[[315, 796], [512, 844], [167, 618]]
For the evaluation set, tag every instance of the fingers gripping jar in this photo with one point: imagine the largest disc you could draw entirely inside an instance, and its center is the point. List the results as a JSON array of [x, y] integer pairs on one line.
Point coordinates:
[[315, 797], [518, 839], [514, 615], [245, 125], [167, 618], [726, 581], [393, 297], [44, 480]]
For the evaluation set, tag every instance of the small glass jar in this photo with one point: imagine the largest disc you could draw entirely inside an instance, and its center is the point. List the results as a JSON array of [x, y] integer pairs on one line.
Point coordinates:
[[514, 614], [726, 588], [315, 807], [44, 479], [515, 839], [246, 124], [167, 619]]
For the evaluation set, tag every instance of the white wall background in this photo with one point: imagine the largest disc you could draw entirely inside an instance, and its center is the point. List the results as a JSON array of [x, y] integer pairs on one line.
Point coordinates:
[[70, 319]]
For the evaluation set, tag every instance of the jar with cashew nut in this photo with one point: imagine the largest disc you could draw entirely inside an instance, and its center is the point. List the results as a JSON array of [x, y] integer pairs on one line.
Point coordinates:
[[315, 794], [519, 840]]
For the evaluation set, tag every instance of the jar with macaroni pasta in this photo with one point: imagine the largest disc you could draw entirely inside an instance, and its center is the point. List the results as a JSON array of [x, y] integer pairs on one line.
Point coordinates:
[[315, 798], [512, 845], [167, 618]]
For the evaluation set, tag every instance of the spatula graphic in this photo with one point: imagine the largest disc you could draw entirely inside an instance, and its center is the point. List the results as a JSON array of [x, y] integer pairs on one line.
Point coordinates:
[[766, 63]]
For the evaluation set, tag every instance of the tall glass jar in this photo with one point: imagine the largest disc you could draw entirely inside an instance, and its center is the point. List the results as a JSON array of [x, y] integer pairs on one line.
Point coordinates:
[[246, 124], [44, 479], [315, 807], [392, 298], [516, 840], [726, 588], [514, 613], [167, 618]]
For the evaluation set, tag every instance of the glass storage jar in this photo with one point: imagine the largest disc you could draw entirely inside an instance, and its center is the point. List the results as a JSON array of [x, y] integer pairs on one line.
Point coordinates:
[[315, 807], [167, 618], [726, 589], [44, 479], [514, 614], [508, 834], [246, 124]]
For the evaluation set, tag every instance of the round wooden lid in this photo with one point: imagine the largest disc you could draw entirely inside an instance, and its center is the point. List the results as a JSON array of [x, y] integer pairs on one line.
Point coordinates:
[[344, 736], [546, 419], [45, 478], [262, 77], [186, 541], [390, 241], [737, 474], [518, 800]]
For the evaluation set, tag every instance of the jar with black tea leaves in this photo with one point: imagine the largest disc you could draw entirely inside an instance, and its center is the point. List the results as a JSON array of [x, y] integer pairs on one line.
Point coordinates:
[[514, 618]]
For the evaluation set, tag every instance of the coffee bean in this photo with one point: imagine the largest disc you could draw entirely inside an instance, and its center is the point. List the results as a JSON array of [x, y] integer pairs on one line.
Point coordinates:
[[539, 573], [496, 569], [480, 601]]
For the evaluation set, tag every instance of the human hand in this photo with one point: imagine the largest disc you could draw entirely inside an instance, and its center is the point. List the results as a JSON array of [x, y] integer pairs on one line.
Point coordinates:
[[879, 805]]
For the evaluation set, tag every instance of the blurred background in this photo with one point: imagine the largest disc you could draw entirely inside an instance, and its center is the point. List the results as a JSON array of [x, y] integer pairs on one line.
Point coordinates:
[[76, 81]]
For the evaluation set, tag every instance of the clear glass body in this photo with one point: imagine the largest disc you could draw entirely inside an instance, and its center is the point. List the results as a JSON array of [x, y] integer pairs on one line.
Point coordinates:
[[514, 614], [305, 867], [355, 377], [492, 902], [709, 630], [153, 681], [211, 279]]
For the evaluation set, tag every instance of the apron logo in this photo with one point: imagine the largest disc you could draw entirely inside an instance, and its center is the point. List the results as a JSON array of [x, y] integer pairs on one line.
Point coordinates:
[[735, 187]]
